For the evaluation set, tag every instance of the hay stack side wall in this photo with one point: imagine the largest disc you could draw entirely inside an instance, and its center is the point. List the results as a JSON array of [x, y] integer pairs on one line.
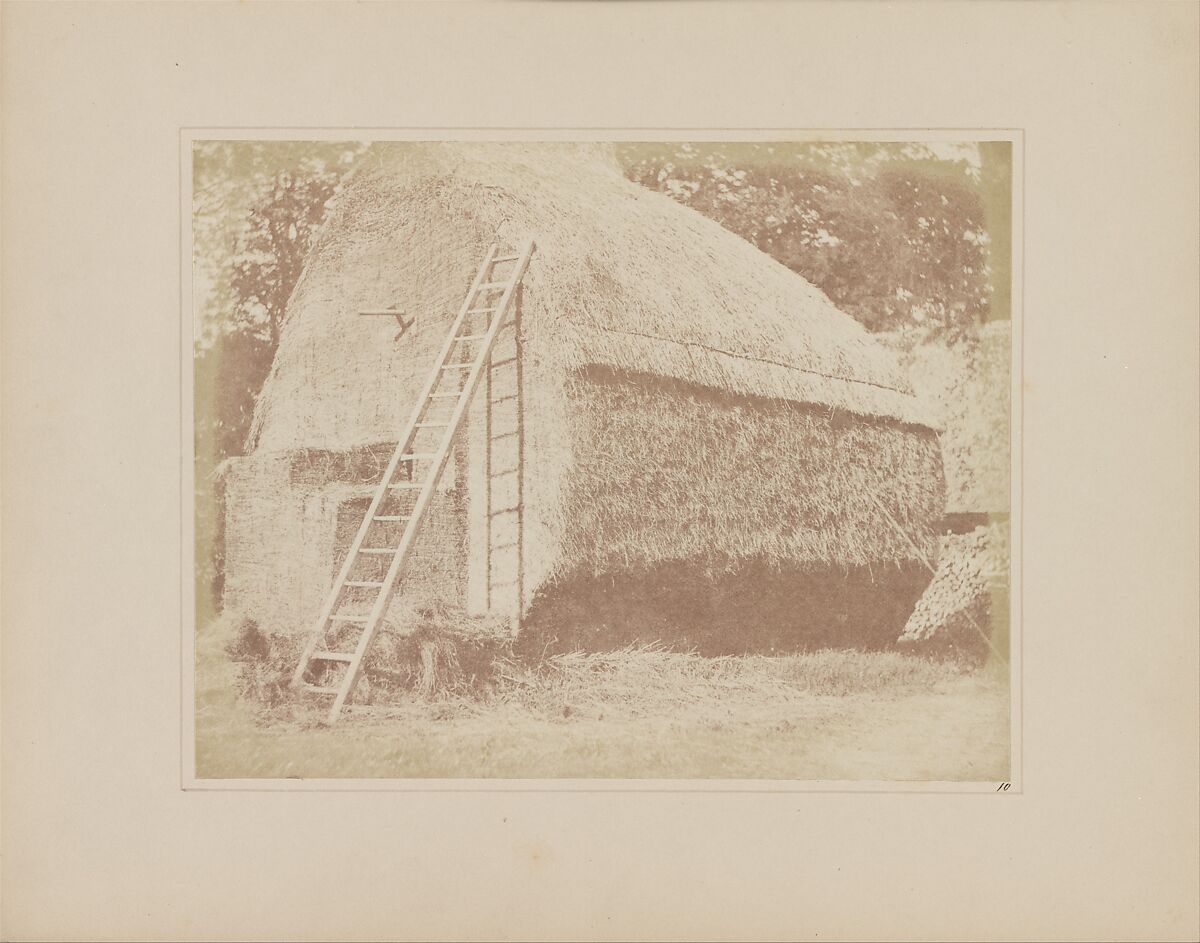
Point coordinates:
[[339, 380], [278, 541], [288, 530], [728, 524], [667, 471]]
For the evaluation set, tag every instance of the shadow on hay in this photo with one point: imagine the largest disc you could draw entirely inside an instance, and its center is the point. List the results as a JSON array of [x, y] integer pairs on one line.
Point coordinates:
[[752, 609]]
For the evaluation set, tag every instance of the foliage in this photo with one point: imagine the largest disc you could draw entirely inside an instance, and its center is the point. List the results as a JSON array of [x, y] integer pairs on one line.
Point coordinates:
[[246, 197], [257, 206], [894, 234], [273, 248]]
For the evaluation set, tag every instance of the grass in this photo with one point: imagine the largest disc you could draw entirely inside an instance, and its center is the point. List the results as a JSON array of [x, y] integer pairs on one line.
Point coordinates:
[[636, 713]]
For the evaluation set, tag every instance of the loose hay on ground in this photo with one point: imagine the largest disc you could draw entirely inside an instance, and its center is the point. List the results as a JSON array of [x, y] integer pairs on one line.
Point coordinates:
[[442, 672]]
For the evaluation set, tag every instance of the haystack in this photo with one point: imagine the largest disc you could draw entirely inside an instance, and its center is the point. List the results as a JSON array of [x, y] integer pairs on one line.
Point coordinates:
[[964, 610], [709, 453]]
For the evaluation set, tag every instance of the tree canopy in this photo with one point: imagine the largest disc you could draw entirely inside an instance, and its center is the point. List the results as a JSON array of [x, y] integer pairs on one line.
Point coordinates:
[[897, 235]]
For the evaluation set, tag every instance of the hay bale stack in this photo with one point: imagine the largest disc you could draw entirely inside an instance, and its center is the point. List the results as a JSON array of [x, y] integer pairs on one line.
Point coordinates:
[[690, 409], [962, 611]]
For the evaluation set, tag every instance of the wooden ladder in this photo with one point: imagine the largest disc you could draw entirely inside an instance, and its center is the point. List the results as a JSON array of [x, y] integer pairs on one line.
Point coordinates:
[[401, 500]]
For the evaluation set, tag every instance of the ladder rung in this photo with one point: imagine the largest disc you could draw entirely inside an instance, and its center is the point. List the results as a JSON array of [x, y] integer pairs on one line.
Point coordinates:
[[496, 583], [506, 435], [491, 297], [331, 656]]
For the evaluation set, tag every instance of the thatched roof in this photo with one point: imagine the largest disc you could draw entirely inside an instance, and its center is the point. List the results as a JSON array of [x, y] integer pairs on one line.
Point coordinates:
[[623, 278]]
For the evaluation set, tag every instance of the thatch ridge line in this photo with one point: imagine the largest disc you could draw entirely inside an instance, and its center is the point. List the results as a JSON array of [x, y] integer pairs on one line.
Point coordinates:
[[773, 363]]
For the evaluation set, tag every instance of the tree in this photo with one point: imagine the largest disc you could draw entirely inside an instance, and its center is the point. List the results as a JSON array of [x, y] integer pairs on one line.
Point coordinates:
[[257, 207], [995, 159], [894, 234], [246, 196], [271, 256]]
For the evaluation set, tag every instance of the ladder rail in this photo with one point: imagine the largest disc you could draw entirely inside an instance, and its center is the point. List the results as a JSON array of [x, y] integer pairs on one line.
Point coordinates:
[[368, 520], [434, 473]]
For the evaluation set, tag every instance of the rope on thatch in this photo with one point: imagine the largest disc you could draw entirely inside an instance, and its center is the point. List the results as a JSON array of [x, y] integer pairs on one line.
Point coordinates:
[[764, 360]]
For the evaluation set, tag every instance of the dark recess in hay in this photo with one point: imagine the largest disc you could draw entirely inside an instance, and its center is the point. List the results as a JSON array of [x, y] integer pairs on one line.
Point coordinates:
[[753, 609], [248, 643], [964, 522], [363, 465]]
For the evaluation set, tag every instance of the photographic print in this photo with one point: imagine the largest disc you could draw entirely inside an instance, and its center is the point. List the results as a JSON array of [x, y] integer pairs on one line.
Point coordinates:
[[600, 471], [603, 460]]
